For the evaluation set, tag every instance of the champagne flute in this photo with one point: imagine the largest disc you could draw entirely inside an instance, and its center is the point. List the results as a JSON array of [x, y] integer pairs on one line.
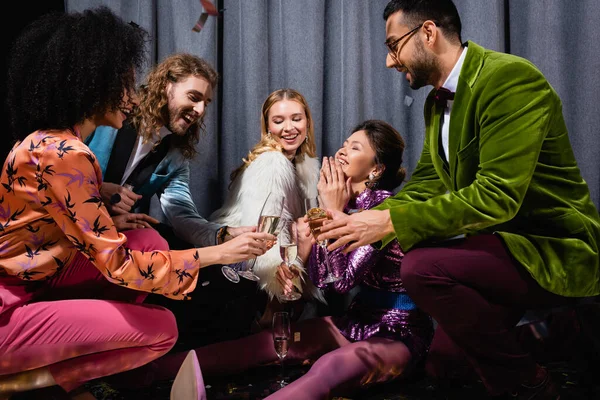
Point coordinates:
[[268, 221], [281, 339], [316, 217], [288, 248]]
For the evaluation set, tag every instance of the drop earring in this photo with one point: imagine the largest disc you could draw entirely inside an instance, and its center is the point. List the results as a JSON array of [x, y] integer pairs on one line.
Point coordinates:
[[371, 182], [269, 136]]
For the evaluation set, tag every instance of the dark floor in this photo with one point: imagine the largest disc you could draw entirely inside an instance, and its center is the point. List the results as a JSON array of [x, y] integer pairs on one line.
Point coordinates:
[[567, 343], [260, 382]]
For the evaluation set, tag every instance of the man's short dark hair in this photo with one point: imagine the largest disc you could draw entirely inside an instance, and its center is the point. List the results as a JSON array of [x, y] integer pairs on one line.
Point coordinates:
[[415, 12]]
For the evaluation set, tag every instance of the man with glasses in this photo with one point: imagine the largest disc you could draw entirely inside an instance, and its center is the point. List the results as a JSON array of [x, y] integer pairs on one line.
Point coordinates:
[[496, 217]]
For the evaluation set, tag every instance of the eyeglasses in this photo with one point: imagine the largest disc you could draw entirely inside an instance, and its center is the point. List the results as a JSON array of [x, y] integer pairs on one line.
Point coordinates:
[[393, 46]]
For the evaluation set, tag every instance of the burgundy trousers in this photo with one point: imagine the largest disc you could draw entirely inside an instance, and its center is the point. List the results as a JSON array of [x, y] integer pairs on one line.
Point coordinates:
[[476, 293]]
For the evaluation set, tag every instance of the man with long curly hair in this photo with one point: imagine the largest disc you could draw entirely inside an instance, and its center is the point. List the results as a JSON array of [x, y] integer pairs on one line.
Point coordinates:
[[150, 156]]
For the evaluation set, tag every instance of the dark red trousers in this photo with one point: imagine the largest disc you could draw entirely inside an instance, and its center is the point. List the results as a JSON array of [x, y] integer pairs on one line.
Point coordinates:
[[476, 293]]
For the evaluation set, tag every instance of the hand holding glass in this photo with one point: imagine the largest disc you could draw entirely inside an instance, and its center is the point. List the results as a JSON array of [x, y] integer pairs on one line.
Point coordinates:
[[268, 221], [316, 217], [288, 248]]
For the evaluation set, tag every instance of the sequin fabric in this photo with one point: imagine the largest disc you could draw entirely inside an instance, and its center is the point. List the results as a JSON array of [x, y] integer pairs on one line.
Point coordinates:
[[376, 269]]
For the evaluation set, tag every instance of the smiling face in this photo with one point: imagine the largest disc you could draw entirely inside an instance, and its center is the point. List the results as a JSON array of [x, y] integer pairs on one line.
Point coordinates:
[[408, 53], [116, 118], [287, 122], [187, 102], [357, 157]]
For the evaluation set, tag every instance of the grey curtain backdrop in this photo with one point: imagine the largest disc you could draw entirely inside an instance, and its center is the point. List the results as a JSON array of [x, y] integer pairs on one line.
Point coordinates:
[[332, 51]]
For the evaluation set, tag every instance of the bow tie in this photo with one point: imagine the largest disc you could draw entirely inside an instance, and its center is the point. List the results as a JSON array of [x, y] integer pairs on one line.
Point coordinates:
[[442, 95]]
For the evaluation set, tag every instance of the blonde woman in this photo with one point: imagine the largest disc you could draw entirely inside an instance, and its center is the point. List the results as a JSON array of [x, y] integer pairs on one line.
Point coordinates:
[[282, 162]]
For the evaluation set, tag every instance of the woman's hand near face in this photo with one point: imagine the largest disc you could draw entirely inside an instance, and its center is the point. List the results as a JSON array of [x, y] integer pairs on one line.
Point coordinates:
[[334, 189], [110, 192]]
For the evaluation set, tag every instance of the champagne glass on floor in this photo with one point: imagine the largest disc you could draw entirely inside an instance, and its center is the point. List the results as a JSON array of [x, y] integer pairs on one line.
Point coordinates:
[[316, 216], [288, 248], [281, 339], [268, 221]]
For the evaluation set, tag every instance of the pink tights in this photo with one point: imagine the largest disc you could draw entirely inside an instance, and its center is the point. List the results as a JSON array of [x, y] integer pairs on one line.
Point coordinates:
[[341, 366]]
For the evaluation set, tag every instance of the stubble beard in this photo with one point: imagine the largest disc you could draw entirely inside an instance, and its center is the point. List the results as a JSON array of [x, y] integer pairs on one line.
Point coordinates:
[[424, 68]]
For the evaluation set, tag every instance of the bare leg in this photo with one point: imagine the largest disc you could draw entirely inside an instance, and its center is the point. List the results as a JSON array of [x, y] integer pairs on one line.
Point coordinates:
[[348, 368]]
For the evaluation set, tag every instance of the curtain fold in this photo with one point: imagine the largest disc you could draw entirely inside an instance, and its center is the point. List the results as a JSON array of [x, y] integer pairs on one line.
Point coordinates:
[[332, 51]]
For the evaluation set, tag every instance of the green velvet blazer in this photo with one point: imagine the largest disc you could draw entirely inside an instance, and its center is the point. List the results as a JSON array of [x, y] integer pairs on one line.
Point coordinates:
[[511, 172]]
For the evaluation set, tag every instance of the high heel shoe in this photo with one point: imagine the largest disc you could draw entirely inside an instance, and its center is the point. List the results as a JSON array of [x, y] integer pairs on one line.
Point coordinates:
[[189, 384]]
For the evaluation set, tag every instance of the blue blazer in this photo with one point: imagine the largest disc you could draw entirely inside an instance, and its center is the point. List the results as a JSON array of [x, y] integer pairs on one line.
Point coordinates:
[[170, 182]]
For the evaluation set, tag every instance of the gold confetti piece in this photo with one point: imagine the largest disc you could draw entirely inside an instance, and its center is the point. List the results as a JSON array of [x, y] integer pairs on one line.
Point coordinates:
[[296, 336], [201, 21]]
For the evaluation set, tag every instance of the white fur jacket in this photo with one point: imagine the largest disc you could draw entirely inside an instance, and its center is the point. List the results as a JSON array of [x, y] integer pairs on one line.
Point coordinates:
[[271, 172]]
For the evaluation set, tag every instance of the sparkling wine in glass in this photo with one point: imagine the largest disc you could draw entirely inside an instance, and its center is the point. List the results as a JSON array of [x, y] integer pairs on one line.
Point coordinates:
[[268, 222], [316, 217], [281, 339], [288, 249]]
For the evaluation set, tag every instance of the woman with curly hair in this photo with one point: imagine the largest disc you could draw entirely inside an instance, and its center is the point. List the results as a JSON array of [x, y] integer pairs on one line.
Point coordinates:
[[59, 324]]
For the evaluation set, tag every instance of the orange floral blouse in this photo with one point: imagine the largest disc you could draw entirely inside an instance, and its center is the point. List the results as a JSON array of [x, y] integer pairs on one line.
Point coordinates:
[[50, 208]]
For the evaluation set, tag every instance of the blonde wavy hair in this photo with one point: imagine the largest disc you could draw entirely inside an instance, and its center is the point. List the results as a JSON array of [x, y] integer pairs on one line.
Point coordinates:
[[267, 143], [153, 111]]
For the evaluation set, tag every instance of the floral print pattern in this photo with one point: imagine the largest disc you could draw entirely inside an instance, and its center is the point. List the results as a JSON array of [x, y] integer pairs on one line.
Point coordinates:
[[50, 208]]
